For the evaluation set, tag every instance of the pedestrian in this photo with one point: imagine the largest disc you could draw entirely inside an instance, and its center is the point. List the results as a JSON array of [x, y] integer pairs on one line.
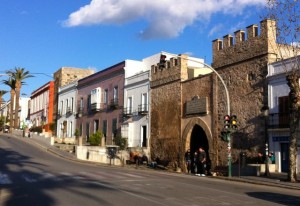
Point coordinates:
[[201, 162], [187, 157], [195, 163]]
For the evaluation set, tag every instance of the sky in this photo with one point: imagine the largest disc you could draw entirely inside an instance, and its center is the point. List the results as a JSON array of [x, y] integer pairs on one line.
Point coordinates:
[[44, 35]]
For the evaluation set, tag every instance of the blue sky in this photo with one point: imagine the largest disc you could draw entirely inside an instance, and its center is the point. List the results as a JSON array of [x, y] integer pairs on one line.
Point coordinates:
[[45, 35]]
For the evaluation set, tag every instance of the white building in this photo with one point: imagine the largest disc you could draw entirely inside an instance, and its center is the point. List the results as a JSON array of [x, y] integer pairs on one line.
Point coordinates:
[[22, 112], [278, 124], [66, 117]]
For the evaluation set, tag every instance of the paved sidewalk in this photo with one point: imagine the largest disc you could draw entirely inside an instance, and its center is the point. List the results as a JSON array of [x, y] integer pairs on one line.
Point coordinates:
[[276, 179]]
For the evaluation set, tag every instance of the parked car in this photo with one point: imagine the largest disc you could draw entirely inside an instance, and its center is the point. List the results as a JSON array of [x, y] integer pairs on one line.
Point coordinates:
[[6, 129]]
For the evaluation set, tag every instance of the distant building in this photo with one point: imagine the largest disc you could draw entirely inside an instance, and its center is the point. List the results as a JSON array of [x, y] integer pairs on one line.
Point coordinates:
[[22, 111]]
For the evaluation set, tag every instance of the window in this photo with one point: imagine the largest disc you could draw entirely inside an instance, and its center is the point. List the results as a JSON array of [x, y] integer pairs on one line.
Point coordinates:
[[115, 93], [114, 127], [129, 105], [283, 111], [104, 128], [105, 97], [96, 125], [144, 102], [67, 106], [89, 103], [72, 104], [81, 103], [80, 129]]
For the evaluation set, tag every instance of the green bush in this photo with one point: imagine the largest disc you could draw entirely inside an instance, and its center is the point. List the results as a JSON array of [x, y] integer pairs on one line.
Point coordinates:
[[120, 141], [38, 129], [95, 139]]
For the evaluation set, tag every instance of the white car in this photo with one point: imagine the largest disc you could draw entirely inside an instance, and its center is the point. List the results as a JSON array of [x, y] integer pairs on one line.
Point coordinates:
[[6, 129]]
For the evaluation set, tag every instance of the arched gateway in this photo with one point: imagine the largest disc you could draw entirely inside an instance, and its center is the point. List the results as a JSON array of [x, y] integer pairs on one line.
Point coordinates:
[[197, 134]]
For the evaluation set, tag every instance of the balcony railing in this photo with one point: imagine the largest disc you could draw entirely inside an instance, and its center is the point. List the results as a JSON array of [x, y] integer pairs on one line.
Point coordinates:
[[69, 111], [279, 120], [127, 111], [143, 109], [114, 104], [79, 111]]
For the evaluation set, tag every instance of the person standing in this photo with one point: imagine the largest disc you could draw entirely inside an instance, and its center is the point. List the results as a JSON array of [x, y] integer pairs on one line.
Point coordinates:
[[187, 157], [201, 162]]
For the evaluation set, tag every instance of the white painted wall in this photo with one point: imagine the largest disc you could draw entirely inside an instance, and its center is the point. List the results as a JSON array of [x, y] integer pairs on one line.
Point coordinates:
[[277, 87], [66, 93]]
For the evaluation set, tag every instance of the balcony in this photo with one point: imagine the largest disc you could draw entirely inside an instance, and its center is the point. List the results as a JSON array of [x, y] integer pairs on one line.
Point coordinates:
[[143, 109], [279, 121], [79, 112], [127, 112], [95, 107], [114, 104], [69, 111], [58, 114]]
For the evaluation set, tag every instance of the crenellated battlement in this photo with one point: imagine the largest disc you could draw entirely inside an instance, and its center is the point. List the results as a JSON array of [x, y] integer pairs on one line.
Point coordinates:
[[245, 44], [171, 70]]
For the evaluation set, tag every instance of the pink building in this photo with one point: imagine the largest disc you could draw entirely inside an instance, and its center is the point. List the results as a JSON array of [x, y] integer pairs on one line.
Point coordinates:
[[100, 101]]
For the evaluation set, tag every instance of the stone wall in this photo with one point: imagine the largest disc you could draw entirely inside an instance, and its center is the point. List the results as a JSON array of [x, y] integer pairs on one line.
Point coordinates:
[[166, 110]]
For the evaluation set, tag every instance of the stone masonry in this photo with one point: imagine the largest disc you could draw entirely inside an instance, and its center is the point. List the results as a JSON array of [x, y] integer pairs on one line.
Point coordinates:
[[241, 60]]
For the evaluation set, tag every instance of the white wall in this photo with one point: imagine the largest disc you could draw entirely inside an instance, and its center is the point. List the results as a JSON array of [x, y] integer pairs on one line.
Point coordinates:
[[67, 92]]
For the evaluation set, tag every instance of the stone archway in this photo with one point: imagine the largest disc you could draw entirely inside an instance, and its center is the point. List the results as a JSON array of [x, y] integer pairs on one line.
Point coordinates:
[[197, 134]]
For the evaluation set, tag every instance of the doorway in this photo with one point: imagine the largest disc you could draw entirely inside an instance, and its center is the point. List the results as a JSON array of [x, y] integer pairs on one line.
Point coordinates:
[[284, 156], [199, 139]]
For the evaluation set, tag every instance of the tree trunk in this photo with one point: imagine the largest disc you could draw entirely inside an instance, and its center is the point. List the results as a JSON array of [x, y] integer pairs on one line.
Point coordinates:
[[294, 107], [16, 120], [11, 114]]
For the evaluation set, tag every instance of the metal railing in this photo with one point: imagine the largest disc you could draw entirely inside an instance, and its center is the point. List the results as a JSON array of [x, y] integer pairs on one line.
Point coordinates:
[[279, 120]]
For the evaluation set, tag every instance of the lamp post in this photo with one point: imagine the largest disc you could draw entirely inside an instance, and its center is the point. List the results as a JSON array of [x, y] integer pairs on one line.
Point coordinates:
[[265, 113]]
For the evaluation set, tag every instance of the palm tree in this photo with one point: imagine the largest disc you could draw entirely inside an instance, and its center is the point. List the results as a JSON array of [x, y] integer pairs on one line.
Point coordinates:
[[11, 83], [2, 92], [18, 74]]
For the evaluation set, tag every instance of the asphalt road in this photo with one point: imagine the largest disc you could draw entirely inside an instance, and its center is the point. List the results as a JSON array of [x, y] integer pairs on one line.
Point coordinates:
[[32, 176]]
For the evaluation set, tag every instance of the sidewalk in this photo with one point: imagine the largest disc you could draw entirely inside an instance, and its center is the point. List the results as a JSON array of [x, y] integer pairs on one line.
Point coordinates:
[[276, 179]]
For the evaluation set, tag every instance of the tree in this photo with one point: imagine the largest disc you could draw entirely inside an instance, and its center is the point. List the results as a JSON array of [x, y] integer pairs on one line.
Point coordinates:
[[18, 74], [2, 92], [286, 13], [11, 83]]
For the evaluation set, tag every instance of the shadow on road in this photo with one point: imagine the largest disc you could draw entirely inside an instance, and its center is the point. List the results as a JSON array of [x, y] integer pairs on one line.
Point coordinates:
[[276, 198], [24, 187]]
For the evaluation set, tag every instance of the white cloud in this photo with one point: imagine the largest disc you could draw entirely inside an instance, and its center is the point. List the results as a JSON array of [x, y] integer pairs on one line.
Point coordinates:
[[215, 29], [165, 18]]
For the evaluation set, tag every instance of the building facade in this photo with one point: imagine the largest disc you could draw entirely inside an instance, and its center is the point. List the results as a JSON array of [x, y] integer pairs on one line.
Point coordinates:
[[136, 115], [278, 122], [64, 76], [100, 102], [66, 115], [41, 106]]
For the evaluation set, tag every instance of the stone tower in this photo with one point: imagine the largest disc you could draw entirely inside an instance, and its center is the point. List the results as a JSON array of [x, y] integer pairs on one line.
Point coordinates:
[[241, 59], [166, 108]]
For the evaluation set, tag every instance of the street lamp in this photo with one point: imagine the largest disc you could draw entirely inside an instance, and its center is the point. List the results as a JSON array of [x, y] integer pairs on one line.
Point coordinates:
[[265, 113]]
